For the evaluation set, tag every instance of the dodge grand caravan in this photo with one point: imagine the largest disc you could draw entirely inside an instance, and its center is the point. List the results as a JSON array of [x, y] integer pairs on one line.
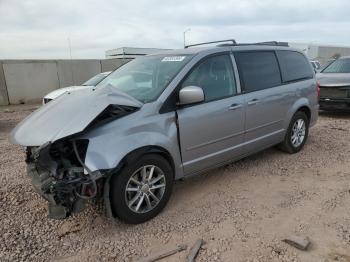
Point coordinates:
[[162, 117]]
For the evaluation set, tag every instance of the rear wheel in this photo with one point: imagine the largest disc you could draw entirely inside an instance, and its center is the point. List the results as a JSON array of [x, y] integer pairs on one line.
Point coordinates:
[[297, 133], [141, 190]]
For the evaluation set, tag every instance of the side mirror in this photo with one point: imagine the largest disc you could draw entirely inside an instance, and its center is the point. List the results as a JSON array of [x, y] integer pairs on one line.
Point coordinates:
[[191, 95]]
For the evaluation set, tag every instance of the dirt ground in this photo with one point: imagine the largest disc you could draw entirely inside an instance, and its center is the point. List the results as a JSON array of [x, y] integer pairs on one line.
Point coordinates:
[[242, 210]]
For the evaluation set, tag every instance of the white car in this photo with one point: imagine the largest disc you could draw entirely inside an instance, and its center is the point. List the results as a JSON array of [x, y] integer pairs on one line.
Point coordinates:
[[92, 82]]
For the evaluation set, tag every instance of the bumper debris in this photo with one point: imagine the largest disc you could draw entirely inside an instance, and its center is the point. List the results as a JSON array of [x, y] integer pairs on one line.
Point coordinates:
[[58, 174]]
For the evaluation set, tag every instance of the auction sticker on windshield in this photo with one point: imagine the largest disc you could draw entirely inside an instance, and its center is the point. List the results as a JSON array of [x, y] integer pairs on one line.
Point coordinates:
[[173, 58]]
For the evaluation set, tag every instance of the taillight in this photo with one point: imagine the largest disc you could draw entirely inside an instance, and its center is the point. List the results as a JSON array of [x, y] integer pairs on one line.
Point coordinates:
[[318, 89]]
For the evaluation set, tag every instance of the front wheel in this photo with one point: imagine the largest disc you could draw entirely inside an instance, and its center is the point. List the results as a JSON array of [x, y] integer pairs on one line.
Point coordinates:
[[141, 190], [297, 133]]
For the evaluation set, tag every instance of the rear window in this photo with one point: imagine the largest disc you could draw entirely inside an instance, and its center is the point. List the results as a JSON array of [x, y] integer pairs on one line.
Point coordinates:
[[258, 70], [338, 66], [294, 66]]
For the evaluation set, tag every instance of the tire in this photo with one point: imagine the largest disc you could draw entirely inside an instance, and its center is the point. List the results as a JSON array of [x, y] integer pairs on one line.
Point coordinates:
[[287, 145], [125, 204]]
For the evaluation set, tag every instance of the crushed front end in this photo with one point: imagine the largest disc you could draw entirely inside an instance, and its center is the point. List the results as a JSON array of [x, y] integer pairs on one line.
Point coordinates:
[[58, 173], [57, 141]]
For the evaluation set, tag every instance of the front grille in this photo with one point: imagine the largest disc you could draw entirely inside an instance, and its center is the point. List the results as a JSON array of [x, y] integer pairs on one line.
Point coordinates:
[[333, 92]]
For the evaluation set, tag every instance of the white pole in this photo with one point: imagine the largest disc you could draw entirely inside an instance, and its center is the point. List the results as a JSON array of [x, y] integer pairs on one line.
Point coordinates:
[[70, 63], [70, 48]]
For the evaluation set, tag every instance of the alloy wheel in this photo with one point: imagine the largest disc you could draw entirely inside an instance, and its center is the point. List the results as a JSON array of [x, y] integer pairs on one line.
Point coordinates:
[[298, 132], [145, 189]]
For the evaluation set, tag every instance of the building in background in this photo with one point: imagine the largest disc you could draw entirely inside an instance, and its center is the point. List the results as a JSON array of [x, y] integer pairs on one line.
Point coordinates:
[[131, 52], [323, 53]]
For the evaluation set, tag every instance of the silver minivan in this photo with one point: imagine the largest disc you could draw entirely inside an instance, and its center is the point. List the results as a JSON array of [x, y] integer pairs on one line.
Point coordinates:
[[163, 117]]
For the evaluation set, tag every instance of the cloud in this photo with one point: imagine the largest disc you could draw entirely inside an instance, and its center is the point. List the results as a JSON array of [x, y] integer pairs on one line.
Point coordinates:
[[41, 28]]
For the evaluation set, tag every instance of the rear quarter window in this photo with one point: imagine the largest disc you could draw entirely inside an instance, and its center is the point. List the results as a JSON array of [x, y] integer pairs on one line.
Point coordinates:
[[258, 70], [294, 66]]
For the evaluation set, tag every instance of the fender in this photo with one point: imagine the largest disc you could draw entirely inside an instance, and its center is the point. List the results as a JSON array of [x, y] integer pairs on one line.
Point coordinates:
[[101, 156]]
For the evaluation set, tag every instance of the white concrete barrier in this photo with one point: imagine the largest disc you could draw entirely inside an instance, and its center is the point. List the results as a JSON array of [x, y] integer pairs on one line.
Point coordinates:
[[27, 81]]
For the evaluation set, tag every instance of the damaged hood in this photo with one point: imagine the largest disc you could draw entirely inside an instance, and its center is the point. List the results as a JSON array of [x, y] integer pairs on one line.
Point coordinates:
[[56, 93], [69, 114], [333, 79]]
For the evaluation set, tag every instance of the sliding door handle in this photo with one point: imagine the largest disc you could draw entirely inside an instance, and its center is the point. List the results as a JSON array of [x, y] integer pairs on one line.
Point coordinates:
[[253, 102], [234, 106]]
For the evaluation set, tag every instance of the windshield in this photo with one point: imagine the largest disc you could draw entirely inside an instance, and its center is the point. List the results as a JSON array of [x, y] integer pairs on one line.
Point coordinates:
[[146, 77], [95, 80], [338, 66]]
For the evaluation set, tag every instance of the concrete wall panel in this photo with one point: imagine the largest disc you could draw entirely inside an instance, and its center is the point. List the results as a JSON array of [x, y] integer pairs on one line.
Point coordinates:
[[28, 82], [112, 64], [76, 72], [3, 89], [328, 52]]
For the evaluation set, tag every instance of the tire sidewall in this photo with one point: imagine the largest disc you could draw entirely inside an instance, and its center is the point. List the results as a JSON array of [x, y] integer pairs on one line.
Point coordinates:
[[119, 182]]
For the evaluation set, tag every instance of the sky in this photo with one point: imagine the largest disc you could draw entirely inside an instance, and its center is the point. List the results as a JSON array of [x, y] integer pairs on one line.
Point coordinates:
[[42, 29]]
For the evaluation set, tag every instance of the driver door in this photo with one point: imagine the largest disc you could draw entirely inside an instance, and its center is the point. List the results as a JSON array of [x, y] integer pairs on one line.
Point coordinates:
[[212, 132]]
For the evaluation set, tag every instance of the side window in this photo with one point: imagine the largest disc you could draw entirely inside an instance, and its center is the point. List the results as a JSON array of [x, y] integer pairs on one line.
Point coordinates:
[[294, 66], [215, 76], [258, 70]]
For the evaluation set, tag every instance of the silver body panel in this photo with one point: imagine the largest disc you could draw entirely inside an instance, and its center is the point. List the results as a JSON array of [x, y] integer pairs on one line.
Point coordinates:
[[140, 129], [211, 133], [333, 79], [268, 112], [197, 137]]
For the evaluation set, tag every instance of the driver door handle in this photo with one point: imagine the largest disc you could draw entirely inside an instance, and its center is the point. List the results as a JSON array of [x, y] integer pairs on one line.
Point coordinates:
[[234, 106]]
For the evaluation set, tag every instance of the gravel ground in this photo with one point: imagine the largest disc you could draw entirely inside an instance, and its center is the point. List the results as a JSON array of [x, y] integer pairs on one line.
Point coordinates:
[[242, 210]]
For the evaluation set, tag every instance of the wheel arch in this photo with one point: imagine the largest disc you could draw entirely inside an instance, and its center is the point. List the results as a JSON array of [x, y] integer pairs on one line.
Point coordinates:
[[128, 158], [306, 110], [286, 144], [151, 149], [302, 105]]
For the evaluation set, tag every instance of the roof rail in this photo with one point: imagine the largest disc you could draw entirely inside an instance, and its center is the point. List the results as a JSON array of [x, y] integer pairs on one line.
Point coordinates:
[[234, 43], [276, 43], [269, 43], [213, 42]]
